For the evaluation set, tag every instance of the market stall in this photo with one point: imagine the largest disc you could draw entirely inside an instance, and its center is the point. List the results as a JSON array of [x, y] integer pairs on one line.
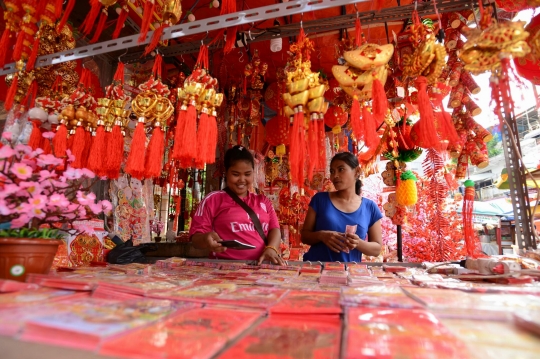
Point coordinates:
[[124, 118]]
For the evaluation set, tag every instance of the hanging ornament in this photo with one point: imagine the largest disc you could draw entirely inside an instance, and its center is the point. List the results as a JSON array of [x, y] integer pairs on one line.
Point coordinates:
[[471, 240], [304, 94], [13, 19], [406, 192], [171, 15]]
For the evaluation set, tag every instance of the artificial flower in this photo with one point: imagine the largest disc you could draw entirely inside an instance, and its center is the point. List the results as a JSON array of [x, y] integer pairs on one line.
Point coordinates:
[[48, 160], [21, 170], [48, 135]]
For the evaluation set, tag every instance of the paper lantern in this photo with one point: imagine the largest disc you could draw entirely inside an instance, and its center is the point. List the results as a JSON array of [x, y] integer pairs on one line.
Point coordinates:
[[277, 131], [271, 96], [335, 116]]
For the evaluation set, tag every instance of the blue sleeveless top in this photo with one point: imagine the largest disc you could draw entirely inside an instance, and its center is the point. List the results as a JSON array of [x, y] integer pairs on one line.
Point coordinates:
[[329, 218]]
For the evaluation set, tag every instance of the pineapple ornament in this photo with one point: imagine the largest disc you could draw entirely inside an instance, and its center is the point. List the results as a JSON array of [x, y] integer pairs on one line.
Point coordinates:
[[406, 192]]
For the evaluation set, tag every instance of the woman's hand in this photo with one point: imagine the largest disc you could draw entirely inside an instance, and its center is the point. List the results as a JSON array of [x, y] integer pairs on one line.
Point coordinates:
[[334, 240], [352, 240], [212, 242], [272, 256]]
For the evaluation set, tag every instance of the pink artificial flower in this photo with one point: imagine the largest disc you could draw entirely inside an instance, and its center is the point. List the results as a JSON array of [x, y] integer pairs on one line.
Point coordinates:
[[20, 221], [70, 156], [36, 212], [8, 189], [58, 200], [86, 199], [6, 152], [23, 149], [87, 173], [32, 188], [81, 212], [44, 174], [36, 152], [4, 209], [49, 160], [7, 136], [107, 206], [72, 173], [38, 201], [96, 208], [61, 183], [21, 170], [48, 135]]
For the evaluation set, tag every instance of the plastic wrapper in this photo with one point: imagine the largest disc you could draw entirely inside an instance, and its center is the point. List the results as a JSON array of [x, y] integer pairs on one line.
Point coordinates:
[[494, 340], [385, 333], [132, 201], [307, 304]]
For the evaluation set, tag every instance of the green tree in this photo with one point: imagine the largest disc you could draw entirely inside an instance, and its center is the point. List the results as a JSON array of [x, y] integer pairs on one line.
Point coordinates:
[[494, 146]]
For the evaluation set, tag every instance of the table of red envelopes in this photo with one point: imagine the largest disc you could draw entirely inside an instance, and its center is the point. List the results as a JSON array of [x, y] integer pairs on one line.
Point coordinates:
[[180, 308]]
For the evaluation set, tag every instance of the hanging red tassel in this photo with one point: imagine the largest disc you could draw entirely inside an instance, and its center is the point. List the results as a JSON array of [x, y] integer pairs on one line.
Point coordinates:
[[98, 152], [67, 12], [18, 49], [358, 33], [301, 149], [356, 124], [371, 139], [100, 26], [45, 145], [189, 139], [154, 154], [10, 96], [202, 138], [313, 147], [120, 22], [230, 44], [33, 56], [148, 15], [88, 142], [35, 137], [4, 45], [210, 155], [380, 102], [322, 144], [60, 141], [424, 129], [88, 23], [58, 8], [135, 161], [156, 68], [378, 5], [77, 148], [115, 151], [179, 132], [155, 39]]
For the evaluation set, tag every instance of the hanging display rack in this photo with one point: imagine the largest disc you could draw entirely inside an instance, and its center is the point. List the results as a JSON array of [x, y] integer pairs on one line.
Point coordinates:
[[319, 26], [248, 17]]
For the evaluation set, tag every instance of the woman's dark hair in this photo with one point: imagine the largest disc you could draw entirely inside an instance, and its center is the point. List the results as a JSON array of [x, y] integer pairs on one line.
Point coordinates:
[[238, 153], [353, 163]]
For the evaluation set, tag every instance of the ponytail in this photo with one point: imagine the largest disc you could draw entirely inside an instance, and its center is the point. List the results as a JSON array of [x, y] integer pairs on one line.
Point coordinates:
[[358, 187]]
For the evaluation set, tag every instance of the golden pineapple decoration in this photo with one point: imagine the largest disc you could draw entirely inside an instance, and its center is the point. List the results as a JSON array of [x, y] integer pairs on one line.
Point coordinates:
[[406, 192]]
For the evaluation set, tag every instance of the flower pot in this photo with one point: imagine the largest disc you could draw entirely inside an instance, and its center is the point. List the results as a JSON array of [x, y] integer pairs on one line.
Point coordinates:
[[20, 256], [157, 239]]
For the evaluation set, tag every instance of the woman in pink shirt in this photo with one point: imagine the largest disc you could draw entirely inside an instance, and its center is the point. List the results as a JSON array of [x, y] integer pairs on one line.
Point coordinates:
[[219, 217]]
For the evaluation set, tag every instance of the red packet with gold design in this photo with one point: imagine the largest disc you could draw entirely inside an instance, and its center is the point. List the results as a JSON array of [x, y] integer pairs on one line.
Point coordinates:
[[280, 338], [308, 304], [388, 333], [196, 334], [37, 296]]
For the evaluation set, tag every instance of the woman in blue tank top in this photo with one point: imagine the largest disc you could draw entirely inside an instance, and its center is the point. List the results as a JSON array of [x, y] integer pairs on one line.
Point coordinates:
[[337, 223]]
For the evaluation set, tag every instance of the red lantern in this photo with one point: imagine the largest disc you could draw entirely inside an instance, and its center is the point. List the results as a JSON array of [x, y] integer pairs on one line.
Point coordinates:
[[271, 96], [277, 131], [528, 67], [333, 91], [335, 116]]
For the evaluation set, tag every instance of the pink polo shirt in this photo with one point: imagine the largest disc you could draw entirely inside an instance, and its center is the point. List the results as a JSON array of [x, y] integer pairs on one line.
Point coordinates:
[[218, 212]]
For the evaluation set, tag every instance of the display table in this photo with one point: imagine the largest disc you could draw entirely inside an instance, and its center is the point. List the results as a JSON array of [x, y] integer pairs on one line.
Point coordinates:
[[181, 308]]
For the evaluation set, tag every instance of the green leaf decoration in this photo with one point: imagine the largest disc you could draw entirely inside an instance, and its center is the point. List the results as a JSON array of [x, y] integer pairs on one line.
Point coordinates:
[[408, 175]]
